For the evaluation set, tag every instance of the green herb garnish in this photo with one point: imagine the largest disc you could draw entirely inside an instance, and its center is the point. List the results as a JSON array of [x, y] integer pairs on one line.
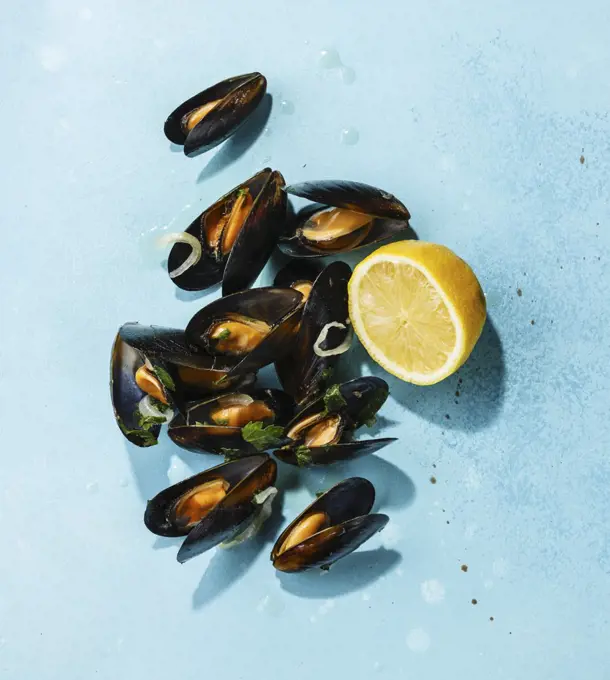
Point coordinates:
[[367, 415], [221, 421], [326, 374], [262, 437], [145, 437], [333, 399], [223, 335], [303, 456], [166, 379], [221, 379], [231, 454]]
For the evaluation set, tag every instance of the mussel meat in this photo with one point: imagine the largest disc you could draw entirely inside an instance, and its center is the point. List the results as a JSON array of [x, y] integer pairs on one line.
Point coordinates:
[[219, 504], [321, 433], [333, 526], [303, 371], [237, 234], [144, 378], [345, 216], [207, 119], [255, 327], [235, 424]]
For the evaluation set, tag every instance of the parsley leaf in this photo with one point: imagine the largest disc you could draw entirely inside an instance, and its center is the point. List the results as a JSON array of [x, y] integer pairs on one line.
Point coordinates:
[[262, 437], [166, 379], [303, 455], [223, 335], [231, 454], [145, 437], [333, 399]]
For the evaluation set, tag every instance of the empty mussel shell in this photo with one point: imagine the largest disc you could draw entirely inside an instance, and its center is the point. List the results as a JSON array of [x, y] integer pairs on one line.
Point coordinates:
[[235, 424], [321, 433], [212, 506], [254, 327], [347, 215], [237, 233], [143, 378], [302, 371], [333, 526], [207, 119]]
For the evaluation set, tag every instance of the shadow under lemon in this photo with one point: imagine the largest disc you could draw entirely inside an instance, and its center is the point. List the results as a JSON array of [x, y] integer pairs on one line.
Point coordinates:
[[470, 399]]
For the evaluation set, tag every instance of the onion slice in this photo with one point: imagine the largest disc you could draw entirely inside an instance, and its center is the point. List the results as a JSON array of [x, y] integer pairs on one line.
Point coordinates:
[[194, 256], [149, 410], [340, 349], [263, 500]]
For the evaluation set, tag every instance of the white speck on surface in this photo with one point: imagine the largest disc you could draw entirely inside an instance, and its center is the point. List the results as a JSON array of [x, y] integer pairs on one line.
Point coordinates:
[[451, 441], [92, 487], [52, 58], [286, 107], [390, 536], [432, 591], [266, 159], [366, 597], [500, 567], [270, 605], [418, 640], [85, 14], [123, 482], [472, 479], [177, 470], [471, 530], [399, 571], [267, 132], [262, 605], [349, 136], [325, 607], [377, 666]]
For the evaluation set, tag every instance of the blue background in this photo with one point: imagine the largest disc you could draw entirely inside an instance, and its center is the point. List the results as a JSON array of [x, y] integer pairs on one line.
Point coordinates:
[[489, 120]]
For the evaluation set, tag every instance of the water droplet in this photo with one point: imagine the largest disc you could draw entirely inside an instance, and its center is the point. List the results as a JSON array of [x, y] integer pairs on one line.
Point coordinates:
[[92, 487], [266, 159], [330, 59], [151, 253], [123, 482], [418, 640], [432, 591], [451, 441], [348, 75], [349, 136], [178, 470], [377, 666], [286, 107], [267, 132]]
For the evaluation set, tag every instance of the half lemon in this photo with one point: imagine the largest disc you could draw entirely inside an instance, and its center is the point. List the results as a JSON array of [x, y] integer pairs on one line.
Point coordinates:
[[418, 309]]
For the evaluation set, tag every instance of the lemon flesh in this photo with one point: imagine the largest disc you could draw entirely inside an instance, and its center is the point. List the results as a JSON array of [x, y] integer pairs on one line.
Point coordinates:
[[418, 309]]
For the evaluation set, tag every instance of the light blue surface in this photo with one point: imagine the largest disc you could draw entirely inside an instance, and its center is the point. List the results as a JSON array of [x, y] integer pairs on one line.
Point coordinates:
[[476, 115]]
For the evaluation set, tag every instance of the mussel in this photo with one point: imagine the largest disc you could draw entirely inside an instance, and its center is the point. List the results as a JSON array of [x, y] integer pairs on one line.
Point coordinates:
[[144, 378], [253, 327], [345, 216], [219, 504], [237, 234], [207, 119], [308, 365], [333, 526], [235, 424], [321, 433]]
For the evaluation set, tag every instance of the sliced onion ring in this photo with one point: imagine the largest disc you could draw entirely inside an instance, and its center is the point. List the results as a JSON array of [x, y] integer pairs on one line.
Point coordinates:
[[194, 256], [149, 410], [340, 349], [263, 500]]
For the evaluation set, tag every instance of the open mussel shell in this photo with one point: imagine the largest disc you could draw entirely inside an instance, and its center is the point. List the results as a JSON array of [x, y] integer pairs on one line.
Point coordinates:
[[207, 119], [237, 234], [333, 526], [347, 215], [212, 506], [320, 433], [255, 327], [301, 371], [144, 363], [220, 424]]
